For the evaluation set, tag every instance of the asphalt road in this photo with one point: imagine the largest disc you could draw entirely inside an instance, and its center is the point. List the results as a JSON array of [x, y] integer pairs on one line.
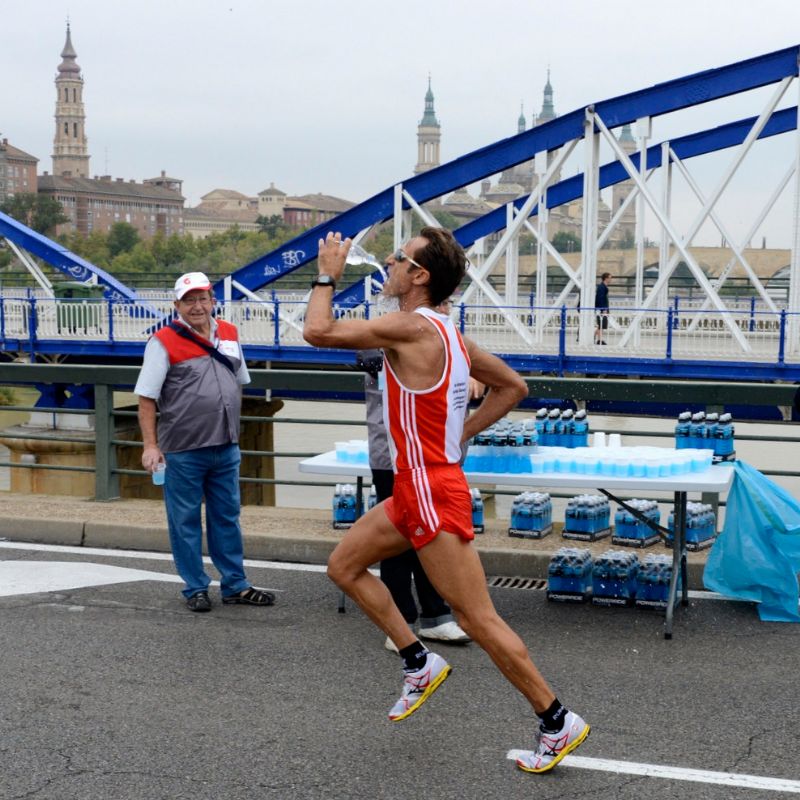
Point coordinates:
[[118, 691]]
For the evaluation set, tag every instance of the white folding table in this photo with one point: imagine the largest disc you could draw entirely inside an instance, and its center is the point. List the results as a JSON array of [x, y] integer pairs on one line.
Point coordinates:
[[716, 479]]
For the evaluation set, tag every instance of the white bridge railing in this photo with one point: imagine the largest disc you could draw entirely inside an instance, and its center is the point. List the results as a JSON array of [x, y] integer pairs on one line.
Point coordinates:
[[684, 332]]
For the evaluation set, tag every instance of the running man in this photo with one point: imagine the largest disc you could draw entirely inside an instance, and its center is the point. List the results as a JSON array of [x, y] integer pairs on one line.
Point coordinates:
[[427, 365]]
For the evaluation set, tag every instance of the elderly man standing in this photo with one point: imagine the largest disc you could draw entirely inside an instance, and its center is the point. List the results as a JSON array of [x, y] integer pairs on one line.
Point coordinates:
[[193, 372]]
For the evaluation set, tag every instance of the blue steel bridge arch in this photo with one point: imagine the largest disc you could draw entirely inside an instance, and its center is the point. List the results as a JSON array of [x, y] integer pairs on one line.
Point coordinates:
[[654, 101]]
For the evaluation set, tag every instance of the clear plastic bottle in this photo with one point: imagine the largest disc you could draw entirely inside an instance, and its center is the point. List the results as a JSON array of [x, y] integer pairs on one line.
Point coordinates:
[[357, 255]]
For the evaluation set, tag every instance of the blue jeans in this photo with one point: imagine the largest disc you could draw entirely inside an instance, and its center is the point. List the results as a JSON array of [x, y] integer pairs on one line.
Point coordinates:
[[212, 472]]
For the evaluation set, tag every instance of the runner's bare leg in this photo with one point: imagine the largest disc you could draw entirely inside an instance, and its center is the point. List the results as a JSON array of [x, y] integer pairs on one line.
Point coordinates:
[[455, 570], [371, 539]]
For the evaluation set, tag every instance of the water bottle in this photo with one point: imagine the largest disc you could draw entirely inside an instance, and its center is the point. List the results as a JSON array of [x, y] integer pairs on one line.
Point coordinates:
[[682, 428], [568, 428], [580, 429], [723, 445], [357, 255], [697, 430]]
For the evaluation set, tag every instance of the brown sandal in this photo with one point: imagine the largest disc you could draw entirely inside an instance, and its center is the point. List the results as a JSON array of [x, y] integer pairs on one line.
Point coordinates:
[[251, 597]]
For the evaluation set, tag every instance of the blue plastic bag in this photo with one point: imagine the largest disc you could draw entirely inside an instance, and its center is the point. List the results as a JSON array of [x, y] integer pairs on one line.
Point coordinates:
[[757, 555]]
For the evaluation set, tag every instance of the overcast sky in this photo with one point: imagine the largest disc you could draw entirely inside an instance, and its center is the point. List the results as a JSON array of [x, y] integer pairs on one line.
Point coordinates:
[[322, 96]]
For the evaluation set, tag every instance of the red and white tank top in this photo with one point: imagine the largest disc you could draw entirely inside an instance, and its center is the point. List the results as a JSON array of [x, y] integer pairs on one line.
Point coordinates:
[[425, 425]]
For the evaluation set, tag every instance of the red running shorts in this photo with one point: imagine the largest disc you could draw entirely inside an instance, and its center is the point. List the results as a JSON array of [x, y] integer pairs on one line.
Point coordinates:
[[428, 500]]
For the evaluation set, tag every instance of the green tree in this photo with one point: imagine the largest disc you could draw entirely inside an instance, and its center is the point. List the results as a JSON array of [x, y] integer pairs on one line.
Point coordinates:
[[37, 211], [122, 238], [566, 242]]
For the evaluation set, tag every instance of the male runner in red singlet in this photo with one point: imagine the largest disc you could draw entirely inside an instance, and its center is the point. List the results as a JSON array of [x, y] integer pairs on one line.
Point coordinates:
[[426, 368]]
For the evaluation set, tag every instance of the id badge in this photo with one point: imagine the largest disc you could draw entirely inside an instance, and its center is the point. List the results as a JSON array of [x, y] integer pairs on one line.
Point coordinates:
[[229, 348]]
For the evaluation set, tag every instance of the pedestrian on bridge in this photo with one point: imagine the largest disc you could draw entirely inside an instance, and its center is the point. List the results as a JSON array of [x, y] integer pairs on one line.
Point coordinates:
[[601, 307], [192, 374], [427, 366]]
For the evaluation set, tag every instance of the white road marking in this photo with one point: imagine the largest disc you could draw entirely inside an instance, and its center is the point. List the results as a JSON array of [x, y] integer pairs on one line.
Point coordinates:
[[34, 577], [248, 562], [761, 782]]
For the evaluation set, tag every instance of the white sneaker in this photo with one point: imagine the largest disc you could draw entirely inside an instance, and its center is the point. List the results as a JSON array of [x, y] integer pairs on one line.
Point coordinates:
[[390, 645], [552, 747], [446, 632], [419, 685]]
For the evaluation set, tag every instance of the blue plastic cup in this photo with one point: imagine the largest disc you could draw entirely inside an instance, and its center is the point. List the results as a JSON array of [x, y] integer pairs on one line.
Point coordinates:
[[159, 474]]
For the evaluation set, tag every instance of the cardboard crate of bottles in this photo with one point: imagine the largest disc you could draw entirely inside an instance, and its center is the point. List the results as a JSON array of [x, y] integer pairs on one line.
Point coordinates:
[[703, 431], [569, 575], [629, 531], [345, 506], [614, 578], [531, 515], [652, 581], [701, 526], [587, 518]]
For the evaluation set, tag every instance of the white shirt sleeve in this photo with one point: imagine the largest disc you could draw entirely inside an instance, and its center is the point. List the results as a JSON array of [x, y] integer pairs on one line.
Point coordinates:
[[243, 376], [154, 370]]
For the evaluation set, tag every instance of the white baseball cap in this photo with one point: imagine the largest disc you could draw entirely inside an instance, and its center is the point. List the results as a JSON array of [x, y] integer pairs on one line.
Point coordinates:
[[189, 282]]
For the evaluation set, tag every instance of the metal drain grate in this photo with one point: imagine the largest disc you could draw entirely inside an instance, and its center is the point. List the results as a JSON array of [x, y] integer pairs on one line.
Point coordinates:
[[503, 582]]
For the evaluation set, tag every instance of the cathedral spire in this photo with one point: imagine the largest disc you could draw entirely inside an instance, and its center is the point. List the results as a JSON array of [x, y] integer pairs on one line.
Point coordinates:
[[521, 120], [70, 146], [429, 117], [428, 136], [548, 109]]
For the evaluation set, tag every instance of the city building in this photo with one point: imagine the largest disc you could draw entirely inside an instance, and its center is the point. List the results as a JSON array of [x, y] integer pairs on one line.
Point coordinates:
[[17, 171], [96, 203]]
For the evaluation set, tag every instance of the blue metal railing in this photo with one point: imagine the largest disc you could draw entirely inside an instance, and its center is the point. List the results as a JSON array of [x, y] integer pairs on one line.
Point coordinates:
[[681, 340]]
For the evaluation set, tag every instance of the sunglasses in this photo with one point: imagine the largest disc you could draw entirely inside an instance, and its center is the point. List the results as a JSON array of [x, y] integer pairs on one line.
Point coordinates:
[[400, 256]]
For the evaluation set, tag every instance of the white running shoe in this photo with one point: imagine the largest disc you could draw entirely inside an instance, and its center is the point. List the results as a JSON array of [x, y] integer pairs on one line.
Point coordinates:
[[448, 632], [390, 645], [552, 747], [419, 685]]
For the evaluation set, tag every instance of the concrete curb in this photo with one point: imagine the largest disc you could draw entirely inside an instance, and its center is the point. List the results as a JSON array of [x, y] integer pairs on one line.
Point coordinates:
[[497, 561]]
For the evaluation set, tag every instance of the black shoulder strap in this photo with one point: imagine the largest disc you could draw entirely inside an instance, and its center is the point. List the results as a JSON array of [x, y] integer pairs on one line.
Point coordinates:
[[183, 331]]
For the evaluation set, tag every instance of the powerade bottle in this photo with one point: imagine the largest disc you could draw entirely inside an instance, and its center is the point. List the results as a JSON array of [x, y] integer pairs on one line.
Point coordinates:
[[724, 441], [712, 423], [337, 494], [697, 430], [540, 424], [500, 451], [580, 429], [373, 498], [682, 430], [483, 456], [568, 429], [477, 511], [348, 503], [516, 450], [552, 428]]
